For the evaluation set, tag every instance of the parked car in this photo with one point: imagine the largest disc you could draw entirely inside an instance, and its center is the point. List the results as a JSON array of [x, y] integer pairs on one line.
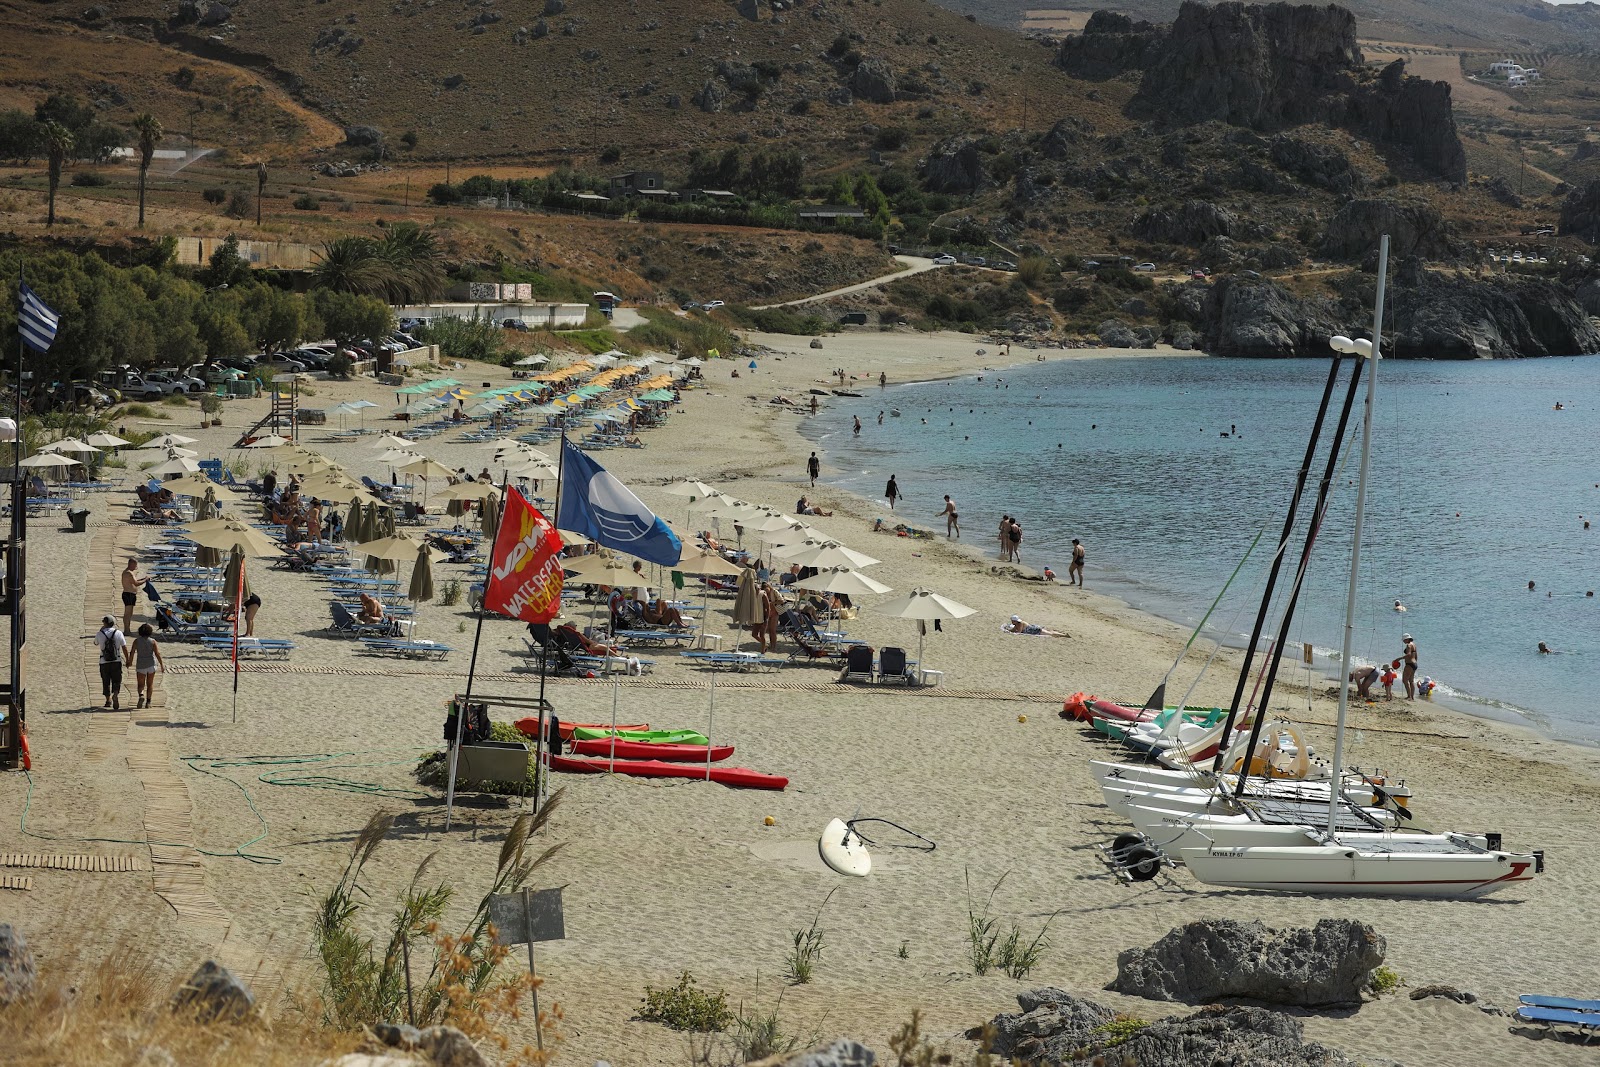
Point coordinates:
[[1198, 275], [690, 306], [976, 261], [514, 324], [1003, 264], [218, 373], [1249, 274], [944, 261], [1148, 268], [283, 363], [157, 385], [712, 305], [1091, 264]]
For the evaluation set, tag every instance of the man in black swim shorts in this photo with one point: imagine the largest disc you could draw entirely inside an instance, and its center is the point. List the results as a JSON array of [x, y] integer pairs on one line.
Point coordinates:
[[130, 593]]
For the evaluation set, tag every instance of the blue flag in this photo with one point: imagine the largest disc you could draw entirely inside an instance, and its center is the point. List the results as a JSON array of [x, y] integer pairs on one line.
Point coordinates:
[[37, 323], [604, 510]]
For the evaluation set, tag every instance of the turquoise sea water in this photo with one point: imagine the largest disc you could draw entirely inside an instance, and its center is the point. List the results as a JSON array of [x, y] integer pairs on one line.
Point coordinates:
[[1477, 487]]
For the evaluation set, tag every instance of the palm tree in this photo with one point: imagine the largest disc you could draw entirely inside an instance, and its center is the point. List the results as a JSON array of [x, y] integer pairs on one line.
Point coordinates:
[[148, 129], [351, 265], [412, 257], [58, 144]]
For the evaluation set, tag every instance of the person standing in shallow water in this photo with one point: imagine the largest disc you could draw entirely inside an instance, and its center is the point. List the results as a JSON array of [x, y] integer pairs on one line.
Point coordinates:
[[813, 468], [1408, 668], [1005, 537], [858, 426], [1075, 569], [952, 521]]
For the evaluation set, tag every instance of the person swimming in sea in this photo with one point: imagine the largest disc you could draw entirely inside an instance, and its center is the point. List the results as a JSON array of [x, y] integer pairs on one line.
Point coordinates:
[[1544, 648], [1399, 606]]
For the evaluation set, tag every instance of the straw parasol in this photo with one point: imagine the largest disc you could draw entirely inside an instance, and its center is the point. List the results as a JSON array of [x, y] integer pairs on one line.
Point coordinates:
[[193, 485], [226, 533], [922, 605]]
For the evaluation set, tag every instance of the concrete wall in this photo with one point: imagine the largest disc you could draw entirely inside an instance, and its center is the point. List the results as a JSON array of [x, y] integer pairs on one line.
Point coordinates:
[[277, 255], [553, 316]]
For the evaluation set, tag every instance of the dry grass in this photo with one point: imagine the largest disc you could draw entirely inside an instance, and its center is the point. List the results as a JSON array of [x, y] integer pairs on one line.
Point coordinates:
[[113, 1013]]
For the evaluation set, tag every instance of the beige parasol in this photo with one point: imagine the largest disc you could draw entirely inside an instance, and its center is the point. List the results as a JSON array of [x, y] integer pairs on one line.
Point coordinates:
[[225, 533]]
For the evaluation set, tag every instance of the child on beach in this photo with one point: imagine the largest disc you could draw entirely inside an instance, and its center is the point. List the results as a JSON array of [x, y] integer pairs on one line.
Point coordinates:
[[1387, 679]]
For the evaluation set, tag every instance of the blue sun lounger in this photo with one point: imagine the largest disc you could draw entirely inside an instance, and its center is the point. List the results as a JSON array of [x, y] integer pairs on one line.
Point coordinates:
[[1570, 1003], [1584, 1015]]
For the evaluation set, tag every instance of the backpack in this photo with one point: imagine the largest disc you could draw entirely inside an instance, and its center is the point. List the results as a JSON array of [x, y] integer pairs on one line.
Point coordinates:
[[108, 648]]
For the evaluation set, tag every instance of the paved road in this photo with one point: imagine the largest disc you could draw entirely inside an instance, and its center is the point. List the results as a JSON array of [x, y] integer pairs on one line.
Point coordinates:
[[912, 264]]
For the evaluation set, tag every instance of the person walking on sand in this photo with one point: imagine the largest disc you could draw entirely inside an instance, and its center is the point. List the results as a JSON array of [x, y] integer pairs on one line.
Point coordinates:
[[144, 655], [813, 468], [130, 593], [1015, 533], [1075, 568], [1005, 538], [952, 524], [858, 426], [1408, 670], [110, 642], [892, 491]]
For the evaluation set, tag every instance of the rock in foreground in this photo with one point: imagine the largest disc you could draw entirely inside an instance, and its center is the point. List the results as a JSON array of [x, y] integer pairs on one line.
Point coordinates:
[[1326, 965], [1057, 1028], [16, 965]]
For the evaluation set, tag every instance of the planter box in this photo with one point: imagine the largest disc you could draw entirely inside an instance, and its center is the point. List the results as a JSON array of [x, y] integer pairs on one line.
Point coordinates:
[[493, 761]]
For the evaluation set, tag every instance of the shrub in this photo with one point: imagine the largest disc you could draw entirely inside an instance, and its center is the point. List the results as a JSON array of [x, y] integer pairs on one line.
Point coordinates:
[[241, 204], [306, 202], [1384, 980], [686, 1006], [610, 154], [1035, 270], [807, 948], [88, 179], [340, 366], [176, 400], [450, 593], [1120, 1029], [215, 195]]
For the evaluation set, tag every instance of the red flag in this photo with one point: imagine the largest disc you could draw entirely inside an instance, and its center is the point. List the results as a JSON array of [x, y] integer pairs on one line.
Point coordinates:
[[525, 567]]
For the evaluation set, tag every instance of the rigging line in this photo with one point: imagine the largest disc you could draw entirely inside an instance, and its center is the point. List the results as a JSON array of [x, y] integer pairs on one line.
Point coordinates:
[[1216, 649], [1220, 594]]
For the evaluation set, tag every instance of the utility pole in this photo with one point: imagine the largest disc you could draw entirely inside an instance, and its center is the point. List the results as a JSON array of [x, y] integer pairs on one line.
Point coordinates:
[[408, 193]]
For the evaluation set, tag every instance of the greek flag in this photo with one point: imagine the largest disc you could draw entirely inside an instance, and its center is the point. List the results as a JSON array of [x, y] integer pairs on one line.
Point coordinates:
[[38, 323], [604, 510]]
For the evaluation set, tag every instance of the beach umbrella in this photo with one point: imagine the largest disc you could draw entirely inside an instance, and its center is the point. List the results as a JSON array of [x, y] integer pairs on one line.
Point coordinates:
[[602, 568], [843, 580], [703, 564], [230, 580], [175, 465], [209, 558], [49, 459], [390, 440], [195, 485], [489, 517], [796, 532], [421, 588], [382, 553], [106, 440], [70, 445], [748, 609], [169, 440], [270, 440], [531, 361], [469, 491], [923, 605], [823, 554], [573, 540], [226, 533], [777, 523], [542, 472], [423, 467]]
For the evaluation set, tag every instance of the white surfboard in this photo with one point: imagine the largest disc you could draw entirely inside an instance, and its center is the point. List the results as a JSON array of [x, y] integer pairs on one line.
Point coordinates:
[[843, 850]]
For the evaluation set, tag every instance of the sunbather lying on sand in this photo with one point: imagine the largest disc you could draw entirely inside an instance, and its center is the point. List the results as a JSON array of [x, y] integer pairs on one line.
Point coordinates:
[[1017, 626]]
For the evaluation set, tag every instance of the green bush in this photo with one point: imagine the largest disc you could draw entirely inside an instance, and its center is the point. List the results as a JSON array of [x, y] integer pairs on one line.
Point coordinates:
[[88, 179], [686, 1006], [340, 366], [1384, 980], [778, 320], [476, 338], [306, 202], [215, 195]]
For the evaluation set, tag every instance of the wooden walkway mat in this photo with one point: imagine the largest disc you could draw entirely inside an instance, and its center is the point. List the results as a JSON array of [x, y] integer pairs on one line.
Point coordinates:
[[15, 881], [80, 862], [109, 549]]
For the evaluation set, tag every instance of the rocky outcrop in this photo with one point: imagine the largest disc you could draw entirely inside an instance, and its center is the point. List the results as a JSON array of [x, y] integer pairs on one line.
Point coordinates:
[[1580, 213], [1110, 44], [1269, 68], [712, 97], [1263, 67], [953, 167], [1501, 190], [1261, 319], [213, 994], [1117, 334], [215, 15], [1057, 1028], [1064, 138], [873, 80], [1194, 223], [1314, 164], [363, 136], [1328, 964], [1415, 228], [16, 965], [1440, 317]]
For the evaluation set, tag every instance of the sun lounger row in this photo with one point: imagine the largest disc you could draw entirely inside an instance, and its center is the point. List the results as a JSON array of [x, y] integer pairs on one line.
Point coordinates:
[[1561, 1011], [891, 666], [276, 647], [735, 661], [392, 646]]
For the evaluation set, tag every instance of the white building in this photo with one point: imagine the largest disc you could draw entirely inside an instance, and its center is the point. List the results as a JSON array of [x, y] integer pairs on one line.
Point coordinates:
[[1505, 67]]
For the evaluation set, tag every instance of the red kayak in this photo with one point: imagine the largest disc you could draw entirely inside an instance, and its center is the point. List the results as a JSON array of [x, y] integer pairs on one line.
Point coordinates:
[[1086, 706], [651, 750], [735, 776], [530, 727]]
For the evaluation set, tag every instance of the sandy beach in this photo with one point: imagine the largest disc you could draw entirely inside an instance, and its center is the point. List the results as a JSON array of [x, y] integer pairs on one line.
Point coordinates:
[[665, 877]]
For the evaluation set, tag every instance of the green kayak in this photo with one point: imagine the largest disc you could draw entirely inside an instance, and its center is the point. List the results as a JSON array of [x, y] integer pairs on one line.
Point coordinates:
[[664, 737]]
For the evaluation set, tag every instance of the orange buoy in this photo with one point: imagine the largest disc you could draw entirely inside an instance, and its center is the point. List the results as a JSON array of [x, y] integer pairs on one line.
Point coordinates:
[[27, 754]]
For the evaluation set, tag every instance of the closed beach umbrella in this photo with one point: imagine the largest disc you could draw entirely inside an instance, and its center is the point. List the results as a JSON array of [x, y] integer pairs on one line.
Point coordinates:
[[455, 508], [207, 557], [923, 605], [421, 588], [230, 580], [490, 517], [386, 521], [748, 610], [352, 522]]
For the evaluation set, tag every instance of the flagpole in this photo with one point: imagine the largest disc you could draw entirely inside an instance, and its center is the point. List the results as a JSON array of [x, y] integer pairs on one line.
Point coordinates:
[[463, 710], [544, 661], [238, 609]]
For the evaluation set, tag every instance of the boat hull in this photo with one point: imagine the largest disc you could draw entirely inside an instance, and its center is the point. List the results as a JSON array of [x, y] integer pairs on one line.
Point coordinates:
[[1349, 870]]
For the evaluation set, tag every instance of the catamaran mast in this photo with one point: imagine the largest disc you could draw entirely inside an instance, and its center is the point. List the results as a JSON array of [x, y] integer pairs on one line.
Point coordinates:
[[1369, 350]]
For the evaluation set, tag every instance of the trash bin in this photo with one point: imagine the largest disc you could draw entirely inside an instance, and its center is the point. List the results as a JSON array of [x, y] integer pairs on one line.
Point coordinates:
[[79, 517]]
